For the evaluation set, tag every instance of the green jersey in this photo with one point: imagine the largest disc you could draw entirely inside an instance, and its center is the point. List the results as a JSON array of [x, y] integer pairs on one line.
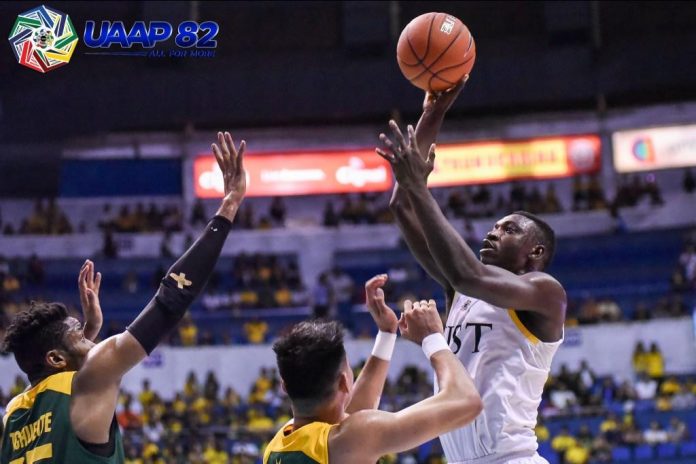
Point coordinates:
[[38, 428]]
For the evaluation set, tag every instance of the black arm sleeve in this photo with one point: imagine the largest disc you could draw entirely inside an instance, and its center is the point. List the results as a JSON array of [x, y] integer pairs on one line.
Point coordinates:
[[182, 284]]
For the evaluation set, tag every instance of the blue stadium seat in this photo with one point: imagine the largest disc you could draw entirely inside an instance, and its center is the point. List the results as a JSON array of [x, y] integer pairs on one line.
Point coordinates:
[[644, 452], [621, 453], [688, 449], [667, 450]]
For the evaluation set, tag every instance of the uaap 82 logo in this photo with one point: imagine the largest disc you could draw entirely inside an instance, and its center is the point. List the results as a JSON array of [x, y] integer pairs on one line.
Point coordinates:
[[43, 39]]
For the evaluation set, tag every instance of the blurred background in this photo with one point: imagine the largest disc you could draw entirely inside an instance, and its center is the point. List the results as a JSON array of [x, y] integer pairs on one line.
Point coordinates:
[[583, 112]]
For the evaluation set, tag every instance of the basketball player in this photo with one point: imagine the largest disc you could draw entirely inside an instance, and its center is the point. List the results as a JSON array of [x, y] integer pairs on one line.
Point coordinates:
[[505, 315], [67, 415], [333, 420]]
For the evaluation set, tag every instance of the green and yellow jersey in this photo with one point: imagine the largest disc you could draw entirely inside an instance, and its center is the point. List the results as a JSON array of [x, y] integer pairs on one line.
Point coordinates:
[[307, 445], [38, 429]]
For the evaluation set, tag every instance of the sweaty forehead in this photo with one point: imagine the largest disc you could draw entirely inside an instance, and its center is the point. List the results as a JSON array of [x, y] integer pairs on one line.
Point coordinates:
[[516, 219]]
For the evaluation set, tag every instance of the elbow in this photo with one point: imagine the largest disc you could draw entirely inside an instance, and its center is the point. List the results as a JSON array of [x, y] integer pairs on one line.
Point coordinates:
[[470, 407]]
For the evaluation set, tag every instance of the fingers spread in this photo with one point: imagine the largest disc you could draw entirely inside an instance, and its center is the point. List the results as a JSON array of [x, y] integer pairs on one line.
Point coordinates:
[[400, 140]]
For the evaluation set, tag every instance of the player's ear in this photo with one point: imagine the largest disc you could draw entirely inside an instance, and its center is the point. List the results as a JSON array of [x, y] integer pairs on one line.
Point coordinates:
[[538, 252], [343, 383], [56, 359]]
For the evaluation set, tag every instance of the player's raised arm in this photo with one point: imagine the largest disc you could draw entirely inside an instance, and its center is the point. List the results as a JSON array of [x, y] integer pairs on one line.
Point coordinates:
[[370, 383], [96, 384], [435, 107], [527, 290], [367, 435]]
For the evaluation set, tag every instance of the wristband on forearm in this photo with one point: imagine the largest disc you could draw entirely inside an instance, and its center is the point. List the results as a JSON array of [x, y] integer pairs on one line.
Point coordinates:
[[384, 345], [180, 286], [433, 343]]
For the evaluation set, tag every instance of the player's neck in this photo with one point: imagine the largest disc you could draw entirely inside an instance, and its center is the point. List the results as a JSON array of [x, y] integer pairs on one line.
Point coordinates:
[[330, 412]]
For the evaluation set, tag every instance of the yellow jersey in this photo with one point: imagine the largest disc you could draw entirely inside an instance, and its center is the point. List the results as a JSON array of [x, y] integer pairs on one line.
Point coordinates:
[[307, 445]]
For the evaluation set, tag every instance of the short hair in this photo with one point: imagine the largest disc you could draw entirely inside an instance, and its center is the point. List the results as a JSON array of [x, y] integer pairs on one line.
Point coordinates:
[[309, 360], [545, 235], [33, 333]]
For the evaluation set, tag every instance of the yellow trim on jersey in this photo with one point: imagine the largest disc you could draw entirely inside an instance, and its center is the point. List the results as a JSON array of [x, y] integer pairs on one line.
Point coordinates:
[[311, 439], [525, 331], [61, 383]]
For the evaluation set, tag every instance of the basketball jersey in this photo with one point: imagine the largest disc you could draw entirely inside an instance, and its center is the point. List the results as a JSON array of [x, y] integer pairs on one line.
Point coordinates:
[[307, 445], [509, 367], [38, 428]]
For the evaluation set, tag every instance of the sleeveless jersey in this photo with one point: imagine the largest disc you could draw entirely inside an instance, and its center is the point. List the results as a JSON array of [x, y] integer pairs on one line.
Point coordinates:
[[306, 445], [38, 428], [509, 366]]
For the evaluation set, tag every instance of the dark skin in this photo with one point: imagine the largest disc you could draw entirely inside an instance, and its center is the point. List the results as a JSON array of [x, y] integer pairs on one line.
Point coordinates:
[[100, 367], [510, 271]]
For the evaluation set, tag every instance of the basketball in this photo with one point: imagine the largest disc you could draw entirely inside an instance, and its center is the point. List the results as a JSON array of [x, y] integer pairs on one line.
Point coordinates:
[[435, 51]]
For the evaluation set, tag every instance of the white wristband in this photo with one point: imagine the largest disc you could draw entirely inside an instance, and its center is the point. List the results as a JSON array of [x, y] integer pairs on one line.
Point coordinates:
[[433, 343], [384, 345]]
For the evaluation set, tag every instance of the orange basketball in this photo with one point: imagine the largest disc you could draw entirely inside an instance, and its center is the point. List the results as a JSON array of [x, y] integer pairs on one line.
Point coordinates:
[[435, 51]]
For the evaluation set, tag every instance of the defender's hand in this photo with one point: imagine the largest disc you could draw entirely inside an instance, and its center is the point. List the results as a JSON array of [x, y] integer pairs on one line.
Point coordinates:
[[88, 282], [384, 316], [419, 320], [230, 159]]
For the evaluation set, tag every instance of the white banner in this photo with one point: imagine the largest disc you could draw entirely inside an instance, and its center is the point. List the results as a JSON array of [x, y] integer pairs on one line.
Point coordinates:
[[654, 148]]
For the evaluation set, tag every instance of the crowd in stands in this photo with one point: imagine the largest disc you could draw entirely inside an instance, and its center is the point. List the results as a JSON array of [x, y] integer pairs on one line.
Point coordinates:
[[364, 208], [256, 281], [620, 406]]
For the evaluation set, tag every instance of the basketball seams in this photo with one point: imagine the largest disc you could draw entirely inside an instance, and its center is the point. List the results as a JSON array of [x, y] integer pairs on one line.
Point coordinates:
[[442, 70]]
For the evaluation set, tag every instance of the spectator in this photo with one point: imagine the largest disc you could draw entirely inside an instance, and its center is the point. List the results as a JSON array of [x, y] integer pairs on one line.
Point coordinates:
[[342, 287], [562, 442], [580, 194], [198, 214], [128, 419], [631, 435], [188, 332], [35, 270], [639, 359], [655, 363], [322, 297], [109, 249], [211, 387], [677, 431], [277, 212], [255, 331], [655, 434], [689, 182], [551, 203], [562, 397], [331, 219], [687, 260], [585, 375], [601, 450], [646, 387], [609, 428]]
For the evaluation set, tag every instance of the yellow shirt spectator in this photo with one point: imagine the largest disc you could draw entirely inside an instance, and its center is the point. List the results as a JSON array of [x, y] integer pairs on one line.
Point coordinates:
[[577, 454], [255, 331], [655, 363], [670, 387], [608, 425], [563, 442], [283, 296], [542, 432], [188, 333], [215, 456], [248, 298]]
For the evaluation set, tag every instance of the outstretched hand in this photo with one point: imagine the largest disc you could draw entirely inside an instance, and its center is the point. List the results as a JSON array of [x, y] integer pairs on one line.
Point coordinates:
[[410, 168], [230, 159], [383, 315], [419, 319], [89, 283]]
